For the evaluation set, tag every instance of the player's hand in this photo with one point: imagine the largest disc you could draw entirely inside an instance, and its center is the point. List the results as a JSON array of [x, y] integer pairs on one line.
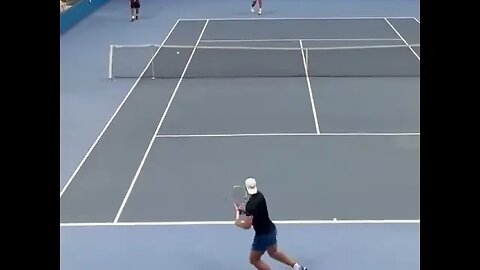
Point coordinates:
[[239, 210], [239, 222]]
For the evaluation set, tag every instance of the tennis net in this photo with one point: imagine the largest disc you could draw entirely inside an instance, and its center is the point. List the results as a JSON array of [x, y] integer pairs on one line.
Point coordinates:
[[231, 62]]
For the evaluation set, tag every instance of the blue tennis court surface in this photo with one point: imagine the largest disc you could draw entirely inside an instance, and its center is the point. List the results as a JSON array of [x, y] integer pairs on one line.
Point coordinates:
[[327, 119], [325, 246]]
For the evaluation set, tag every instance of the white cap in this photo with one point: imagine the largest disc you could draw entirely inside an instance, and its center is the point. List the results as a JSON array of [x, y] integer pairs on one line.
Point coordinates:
[[251, 186]]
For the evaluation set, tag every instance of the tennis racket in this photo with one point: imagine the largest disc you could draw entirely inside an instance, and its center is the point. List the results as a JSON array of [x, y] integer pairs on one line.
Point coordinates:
[[239, 198]]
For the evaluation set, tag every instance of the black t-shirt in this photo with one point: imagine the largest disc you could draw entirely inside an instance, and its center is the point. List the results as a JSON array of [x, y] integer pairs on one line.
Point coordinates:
[[257, 207]]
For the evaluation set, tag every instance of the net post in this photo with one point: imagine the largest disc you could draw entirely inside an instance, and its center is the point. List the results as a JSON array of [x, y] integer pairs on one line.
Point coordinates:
[[110, 62]]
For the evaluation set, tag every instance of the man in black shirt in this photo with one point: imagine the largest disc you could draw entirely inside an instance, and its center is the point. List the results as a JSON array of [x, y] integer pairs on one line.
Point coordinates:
[[256, 215]]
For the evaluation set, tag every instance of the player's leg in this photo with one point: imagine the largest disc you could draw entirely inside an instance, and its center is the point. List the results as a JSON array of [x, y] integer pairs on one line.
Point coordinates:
[[254, 2], [280, 256], [137, 9], [132, 11], [259, 246], [256, 260], [259, 7]]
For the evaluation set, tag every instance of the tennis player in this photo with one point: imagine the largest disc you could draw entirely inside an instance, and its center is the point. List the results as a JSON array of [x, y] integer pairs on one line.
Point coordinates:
[[134, 7], [259, 6], [256, 215]]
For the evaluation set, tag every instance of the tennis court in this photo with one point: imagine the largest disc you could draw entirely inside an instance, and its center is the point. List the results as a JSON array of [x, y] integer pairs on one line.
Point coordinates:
[[327, 120]]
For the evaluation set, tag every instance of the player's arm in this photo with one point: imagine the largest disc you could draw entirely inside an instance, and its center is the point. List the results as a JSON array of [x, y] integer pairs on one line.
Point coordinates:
[[245, 222], [247, 219]]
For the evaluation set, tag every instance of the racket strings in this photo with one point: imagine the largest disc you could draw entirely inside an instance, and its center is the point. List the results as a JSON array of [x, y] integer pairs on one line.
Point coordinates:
[[239, 196]]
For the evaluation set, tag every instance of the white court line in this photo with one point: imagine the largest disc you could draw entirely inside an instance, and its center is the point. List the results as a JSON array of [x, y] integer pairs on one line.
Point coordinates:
[[291, 39], [236, 47], [158, 128], [207, 223], [281, 134], [416, 20], [290, 48], [312, 102], [293, 18], [180, 46], [114, 114], [134, 45], [402, 38]]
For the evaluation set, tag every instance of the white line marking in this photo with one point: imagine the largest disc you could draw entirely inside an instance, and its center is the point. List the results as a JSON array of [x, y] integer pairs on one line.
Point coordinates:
[[180, 46], [208, 223], [113, 116], [291, 39], [370, 134], [236, 47], [402, 38], [232, 135], [416, 20], [134, 45], [281, 134], [293, 18], [312, 103], [157, 129], [359, 47], [290, 48]]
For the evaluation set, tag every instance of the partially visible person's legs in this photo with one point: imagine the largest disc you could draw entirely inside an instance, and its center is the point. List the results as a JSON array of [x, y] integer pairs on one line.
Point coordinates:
[[135, 8], [273, 251], [256, 260], [278, 255], [259, 246], [254, 2], [259, 6]]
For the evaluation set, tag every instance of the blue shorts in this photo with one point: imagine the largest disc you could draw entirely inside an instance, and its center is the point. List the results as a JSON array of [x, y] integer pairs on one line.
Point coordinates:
[[262, 242]]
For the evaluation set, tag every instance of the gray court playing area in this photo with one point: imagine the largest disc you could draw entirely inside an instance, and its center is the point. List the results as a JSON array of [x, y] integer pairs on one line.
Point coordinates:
[[347, 143], [325, 113]]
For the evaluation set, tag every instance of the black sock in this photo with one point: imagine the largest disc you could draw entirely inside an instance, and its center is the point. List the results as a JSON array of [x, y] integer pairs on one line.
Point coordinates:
[[253, 3]]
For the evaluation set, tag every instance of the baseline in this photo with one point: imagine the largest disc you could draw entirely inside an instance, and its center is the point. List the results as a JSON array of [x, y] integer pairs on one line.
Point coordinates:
[[284, 134], [208, 223]]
